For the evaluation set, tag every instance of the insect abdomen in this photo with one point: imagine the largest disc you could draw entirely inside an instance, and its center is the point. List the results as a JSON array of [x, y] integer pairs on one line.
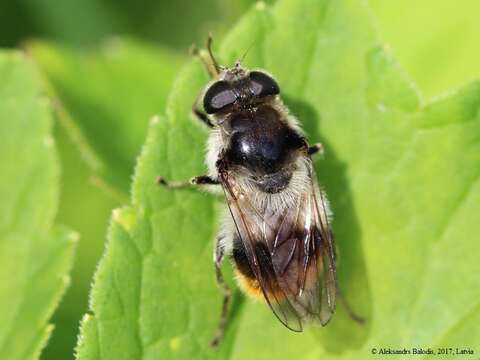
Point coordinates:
[[246, 278]]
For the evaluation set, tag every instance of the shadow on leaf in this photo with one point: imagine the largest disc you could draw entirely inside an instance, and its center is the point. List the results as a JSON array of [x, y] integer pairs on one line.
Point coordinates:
[[342, 332]]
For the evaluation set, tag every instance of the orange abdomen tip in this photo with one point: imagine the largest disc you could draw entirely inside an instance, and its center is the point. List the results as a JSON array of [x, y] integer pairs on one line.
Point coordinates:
[[249, 286], [252, 288]]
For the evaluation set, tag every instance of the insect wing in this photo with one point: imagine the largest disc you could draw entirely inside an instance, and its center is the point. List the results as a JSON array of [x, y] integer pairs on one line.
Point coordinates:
[[326, 267], [252, 230], [290, 252]]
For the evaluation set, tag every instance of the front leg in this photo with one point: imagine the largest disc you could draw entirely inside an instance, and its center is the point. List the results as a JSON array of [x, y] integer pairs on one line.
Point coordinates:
[[197, 180], [200, 115], [316, 149]]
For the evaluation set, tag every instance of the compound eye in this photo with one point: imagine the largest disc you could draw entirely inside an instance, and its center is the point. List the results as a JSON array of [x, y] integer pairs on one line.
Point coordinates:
[[218, 96], [263, 85]]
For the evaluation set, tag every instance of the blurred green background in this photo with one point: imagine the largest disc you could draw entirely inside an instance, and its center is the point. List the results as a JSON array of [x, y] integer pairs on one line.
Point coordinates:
[[436, 41]]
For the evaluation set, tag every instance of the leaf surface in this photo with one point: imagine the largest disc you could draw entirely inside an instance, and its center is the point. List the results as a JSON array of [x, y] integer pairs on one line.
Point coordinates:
[[401, 175], [35, 254], [438, 48], [106, 97], [103, 99]]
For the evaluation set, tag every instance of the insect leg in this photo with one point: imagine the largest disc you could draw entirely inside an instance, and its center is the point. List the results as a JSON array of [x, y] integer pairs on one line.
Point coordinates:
[[354, 316], [208, 59], [200, 115], [197, 180], [316, 148], [213, 69], [218, 258]]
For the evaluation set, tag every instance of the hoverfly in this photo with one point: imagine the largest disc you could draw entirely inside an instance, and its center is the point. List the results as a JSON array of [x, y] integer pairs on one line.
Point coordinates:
[[276, 230]]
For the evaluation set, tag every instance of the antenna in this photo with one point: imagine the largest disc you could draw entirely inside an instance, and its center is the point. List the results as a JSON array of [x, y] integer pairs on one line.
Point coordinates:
[[247, 51], [210, 54], [208, 58]]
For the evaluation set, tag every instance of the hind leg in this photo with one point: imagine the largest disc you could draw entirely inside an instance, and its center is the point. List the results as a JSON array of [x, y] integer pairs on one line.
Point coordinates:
[[353, 315], [218, 259]]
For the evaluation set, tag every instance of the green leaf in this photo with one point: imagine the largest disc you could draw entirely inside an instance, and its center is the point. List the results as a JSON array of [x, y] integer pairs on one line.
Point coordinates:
[[109, 94], [35, 254], [156, 21], [78, 195], [106, 97], [402, 178], [438, 47]]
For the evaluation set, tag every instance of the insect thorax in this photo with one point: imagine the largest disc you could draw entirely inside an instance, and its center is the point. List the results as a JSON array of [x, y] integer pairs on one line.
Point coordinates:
[[261, 142]]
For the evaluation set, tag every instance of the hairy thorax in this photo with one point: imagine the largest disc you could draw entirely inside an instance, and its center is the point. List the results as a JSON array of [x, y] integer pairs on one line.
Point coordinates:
[[260, 141]]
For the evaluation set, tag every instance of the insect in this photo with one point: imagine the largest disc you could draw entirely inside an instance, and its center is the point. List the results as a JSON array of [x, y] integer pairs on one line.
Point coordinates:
[[276, 229]]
